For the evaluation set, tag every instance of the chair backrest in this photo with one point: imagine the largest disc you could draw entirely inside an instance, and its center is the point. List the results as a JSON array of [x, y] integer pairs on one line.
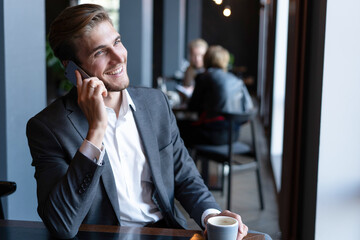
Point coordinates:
[[6, 188], [225, 153], [234, 118]]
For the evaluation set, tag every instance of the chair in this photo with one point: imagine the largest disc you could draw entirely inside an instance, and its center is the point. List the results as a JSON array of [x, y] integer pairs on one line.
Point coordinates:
[[6, 188], [224, 154]]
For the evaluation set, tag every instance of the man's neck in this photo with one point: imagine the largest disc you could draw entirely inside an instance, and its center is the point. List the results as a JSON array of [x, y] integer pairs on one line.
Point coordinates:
[[114, 100]]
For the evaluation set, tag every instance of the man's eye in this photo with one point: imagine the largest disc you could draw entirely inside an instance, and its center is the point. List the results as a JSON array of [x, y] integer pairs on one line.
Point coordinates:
[[117, 41], [98, 53]]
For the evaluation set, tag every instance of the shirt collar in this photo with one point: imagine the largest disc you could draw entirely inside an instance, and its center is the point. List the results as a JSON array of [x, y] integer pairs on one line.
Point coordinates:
[[127, 99], [125, 103]]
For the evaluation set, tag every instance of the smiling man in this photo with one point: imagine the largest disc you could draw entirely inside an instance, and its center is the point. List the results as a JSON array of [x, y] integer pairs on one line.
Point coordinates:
[[106, 153]]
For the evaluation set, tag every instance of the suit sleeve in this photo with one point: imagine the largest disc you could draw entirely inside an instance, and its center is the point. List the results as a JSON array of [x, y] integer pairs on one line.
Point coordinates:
[[65, 184]]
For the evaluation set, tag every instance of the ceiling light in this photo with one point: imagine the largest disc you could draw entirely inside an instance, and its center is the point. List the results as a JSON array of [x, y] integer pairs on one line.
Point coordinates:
[[227, 11]]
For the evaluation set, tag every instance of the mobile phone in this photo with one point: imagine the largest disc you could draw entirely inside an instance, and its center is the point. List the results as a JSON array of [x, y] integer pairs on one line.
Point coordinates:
[[70, 72]]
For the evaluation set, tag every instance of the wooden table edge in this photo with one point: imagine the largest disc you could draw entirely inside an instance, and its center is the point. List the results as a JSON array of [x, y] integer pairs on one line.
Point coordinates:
[[194, 234]]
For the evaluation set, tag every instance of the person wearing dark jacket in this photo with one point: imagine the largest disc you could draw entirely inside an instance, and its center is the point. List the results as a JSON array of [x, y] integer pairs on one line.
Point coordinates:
[[216, 90]]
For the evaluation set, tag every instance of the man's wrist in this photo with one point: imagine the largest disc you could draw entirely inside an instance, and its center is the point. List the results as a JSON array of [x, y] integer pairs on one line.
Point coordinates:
[[95, 137], [92, 152], [207, 214]]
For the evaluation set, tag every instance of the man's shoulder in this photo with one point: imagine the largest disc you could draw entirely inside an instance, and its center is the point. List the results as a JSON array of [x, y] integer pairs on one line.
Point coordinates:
[[58, 107]]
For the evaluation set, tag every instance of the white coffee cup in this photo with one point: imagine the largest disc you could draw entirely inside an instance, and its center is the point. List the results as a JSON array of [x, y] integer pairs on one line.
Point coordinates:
[[222, 228]]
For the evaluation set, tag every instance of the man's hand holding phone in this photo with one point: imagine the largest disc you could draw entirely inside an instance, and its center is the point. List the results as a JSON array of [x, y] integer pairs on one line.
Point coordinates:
[[91, 93]]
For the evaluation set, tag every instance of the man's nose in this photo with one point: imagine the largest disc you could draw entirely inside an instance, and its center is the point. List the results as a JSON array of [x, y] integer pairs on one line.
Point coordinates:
[[117, 55]]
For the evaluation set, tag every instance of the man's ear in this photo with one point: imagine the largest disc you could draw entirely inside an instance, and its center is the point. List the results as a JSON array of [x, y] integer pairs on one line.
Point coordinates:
[[65, 63]]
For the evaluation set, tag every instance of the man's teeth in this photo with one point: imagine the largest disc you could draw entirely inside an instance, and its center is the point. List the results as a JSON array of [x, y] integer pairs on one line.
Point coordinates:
[[117, 71]]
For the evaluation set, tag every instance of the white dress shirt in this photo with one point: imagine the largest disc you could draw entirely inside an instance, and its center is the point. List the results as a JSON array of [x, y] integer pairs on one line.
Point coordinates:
[[130, 167]]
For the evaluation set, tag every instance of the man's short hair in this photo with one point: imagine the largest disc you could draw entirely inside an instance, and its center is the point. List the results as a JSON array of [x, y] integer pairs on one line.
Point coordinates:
[[197, 43], [73, 23], [216, 57]]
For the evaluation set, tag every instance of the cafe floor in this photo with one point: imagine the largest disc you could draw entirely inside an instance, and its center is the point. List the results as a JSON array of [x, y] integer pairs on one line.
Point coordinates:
[[245, 198]]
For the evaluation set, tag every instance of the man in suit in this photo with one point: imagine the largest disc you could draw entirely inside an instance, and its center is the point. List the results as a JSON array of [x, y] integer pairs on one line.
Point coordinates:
[[106, 153]]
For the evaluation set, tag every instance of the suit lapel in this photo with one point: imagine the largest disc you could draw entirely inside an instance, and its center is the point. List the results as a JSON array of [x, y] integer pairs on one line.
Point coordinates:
[[110, 187], [149, 141], [77, 118]]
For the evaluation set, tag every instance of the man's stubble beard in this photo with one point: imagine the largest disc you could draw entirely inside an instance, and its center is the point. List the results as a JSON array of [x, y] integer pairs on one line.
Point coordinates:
[[116, 88]]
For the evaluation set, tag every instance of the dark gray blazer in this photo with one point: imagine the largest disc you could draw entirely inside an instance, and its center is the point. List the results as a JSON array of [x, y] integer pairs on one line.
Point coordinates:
[[73, 190]]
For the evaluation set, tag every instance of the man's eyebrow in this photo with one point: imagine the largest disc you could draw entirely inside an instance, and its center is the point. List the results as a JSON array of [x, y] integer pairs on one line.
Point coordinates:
[[104, 46], [97, 48]]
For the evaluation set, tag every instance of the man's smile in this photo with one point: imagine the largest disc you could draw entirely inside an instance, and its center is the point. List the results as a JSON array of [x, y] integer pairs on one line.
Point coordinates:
[[115, 71]]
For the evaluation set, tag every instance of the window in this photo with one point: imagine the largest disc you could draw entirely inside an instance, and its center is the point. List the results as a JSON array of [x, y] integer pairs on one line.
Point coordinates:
[[111, 6]]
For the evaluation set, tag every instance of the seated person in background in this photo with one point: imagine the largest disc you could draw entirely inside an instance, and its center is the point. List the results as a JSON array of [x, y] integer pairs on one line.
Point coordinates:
[[106, 153], [197, 49], [216, 90]]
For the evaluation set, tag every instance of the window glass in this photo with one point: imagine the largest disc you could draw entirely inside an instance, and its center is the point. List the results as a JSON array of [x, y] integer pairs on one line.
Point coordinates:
[[111, 6]]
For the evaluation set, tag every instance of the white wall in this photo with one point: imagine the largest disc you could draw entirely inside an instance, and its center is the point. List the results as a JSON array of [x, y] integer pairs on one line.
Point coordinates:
[[338, 200]]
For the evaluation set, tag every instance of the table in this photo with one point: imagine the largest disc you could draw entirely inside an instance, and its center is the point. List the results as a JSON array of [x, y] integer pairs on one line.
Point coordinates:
[[18, 230]]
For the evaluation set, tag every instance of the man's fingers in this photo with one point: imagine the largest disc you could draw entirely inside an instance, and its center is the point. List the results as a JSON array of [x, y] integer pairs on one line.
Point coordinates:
[[100, 89], [78, 79], [244, 232], [95, 86], [236, 216]]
